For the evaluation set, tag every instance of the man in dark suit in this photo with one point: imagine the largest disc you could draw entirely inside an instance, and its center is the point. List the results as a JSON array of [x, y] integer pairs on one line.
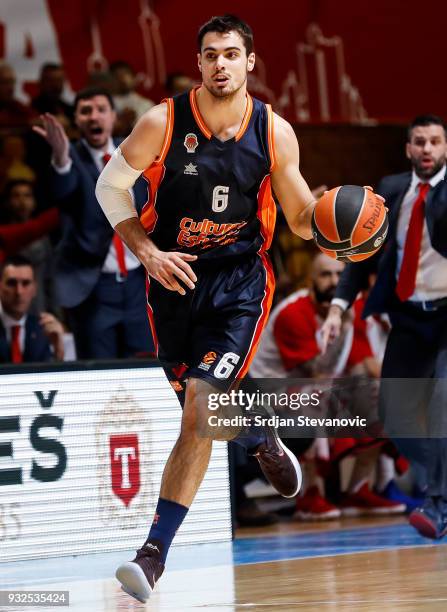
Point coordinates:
[[25, 337], [98, 279], [411, 286]]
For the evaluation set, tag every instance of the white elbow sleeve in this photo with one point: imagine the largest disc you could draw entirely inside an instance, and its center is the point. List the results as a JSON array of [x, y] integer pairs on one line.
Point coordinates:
[[112, 189]]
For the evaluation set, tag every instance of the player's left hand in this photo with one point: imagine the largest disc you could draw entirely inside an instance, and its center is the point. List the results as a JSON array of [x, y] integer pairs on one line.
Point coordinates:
[[379, 197], [317, 192], [54, 331]]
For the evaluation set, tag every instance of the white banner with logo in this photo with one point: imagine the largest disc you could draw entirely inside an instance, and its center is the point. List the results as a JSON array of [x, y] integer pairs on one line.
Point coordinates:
[[81, 459]]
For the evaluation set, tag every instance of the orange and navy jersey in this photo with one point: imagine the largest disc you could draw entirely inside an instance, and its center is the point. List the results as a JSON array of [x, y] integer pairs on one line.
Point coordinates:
[[208, 197]]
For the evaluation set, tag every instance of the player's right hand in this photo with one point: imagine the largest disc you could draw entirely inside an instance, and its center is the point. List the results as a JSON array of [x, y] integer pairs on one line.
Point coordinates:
[[170, 267], [54, 133], [331, 327]]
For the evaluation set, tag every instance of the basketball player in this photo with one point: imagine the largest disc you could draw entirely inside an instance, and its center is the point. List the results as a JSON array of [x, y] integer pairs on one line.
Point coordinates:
[[211, 158]]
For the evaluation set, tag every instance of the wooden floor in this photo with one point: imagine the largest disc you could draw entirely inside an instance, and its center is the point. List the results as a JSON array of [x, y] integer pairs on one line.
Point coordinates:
[[376, 566], [391, 580]]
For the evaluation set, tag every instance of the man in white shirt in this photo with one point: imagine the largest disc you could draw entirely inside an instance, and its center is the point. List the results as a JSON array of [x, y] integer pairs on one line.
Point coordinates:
[[98, 279], [129, 104], [25, 337], [411, 286]]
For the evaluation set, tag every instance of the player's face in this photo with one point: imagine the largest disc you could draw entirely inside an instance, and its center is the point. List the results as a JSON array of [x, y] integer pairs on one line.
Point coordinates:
[[427, 150], [224, 64], [325, 276], [17, 289], [95, 119]]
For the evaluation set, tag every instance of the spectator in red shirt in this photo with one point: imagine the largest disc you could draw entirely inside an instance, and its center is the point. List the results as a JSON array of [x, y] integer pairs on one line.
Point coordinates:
[[291, 346]]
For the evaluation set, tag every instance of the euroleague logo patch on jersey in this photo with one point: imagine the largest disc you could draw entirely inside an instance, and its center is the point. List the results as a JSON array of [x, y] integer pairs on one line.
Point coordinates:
[[191, 143], [208, 360]]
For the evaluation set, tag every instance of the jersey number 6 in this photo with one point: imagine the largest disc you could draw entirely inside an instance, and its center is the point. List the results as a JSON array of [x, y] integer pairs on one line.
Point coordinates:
[[226, 365], [220, 198]]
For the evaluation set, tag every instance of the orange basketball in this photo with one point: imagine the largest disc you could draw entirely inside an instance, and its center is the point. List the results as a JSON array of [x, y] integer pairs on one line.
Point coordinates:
[[349, 223]]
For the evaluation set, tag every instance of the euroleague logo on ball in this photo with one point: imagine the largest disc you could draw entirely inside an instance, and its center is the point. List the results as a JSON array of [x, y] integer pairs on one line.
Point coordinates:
[[378, 241]]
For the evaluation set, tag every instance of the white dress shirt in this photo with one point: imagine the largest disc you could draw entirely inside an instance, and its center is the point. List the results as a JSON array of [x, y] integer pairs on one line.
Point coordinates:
[[431, 276], [111, 261], [8, 324]]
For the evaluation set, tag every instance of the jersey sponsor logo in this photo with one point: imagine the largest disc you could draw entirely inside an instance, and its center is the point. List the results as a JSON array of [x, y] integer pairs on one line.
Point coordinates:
[[191, 143], [207, 233], [190, 169]]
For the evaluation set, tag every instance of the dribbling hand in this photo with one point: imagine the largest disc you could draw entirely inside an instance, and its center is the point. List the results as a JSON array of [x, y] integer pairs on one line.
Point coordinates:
[[170, 267]]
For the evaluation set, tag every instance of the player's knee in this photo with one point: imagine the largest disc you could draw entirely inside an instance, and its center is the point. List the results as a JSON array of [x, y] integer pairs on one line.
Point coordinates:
[[194, 421], [196, 412]]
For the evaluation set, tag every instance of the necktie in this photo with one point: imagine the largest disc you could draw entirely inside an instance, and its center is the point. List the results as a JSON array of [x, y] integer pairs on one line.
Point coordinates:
[[117, 242], [16, 353], [408, 270]]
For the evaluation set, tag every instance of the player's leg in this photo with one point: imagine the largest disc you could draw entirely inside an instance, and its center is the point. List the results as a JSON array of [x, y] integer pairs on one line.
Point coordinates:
[[227, 337], [182, 476]]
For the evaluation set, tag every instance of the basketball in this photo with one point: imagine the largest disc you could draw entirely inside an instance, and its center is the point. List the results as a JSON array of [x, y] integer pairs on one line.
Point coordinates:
[[349, 223]]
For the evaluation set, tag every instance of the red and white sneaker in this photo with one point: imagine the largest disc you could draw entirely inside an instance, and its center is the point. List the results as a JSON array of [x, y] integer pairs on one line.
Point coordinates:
[[366, 503], [312, 506]]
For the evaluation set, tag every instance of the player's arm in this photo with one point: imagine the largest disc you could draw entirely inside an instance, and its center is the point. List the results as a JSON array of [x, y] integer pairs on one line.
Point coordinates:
[[292, 191], [133, 156]]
